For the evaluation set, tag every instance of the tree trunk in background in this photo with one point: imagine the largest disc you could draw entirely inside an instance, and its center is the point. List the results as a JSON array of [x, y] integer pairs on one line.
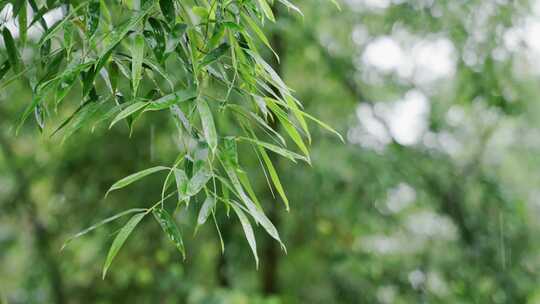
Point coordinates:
[[271, 250], [41, 235]]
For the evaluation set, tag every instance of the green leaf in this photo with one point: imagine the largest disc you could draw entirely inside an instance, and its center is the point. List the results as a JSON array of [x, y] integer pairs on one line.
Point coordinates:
[[324, 125], [215, 54], [50, 32], [168, 10], [206, 209], [4, 68], [244, 179], [169, 100], [257, 30], [12, 52], [182, 182], [121, 239], [201, 12], [289, 5], [137, 61], [289, 128], [255, 212], [267, 10], [274, 177], [115, 37], [283, 152], [134, 107], [158, 36], [92, 18], [37, 98], [99, 224], [209, 128], [135, 177], [336, 3], [23, 23], [170, 228], [248, 231], [197, 182]]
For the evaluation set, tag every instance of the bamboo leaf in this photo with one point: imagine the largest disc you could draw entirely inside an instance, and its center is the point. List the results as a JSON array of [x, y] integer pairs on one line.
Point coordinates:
[[168, 10], [137, 62], [248, 231], [274, 177], [283, 152], [23, 23], [209, 128], [215, 54], [126, 181], [197, 182], [169, 100], [121, 239], [324, 125], [182, 182], [99, 224], [92, 18], [267, 10], [206, 209], [134, 107], [12, 52], [170, 228]]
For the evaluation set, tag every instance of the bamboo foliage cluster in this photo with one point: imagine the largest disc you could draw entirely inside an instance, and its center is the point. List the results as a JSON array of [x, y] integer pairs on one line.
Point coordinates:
[[215, 42]]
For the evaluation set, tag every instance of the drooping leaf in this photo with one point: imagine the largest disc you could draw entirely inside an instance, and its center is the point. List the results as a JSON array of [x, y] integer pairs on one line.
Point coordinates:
[[4, 68], [182, 182], [199, 179], [120, 239], [215, 54], [168, 10], [158, 37], [274, 177], [12, 52], [92, 17], [206, 209], [267, 10], [23, 23], [248, 231], [283, 152], [170, 228], [137, 62], [101, 223], [208, 125]]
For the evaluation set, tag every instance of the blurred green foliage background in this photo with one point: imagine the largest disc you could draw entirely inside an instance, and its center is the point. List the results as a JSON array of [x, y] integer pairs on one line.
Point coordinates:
[[432, 199]]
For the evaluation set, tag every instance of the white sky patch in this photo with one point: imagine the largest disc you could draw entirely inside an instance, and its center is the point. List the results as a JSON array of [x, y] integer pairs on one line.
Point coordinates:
[[397, 199], [369, 4], [406, 120], [423, 62], [384, 53]]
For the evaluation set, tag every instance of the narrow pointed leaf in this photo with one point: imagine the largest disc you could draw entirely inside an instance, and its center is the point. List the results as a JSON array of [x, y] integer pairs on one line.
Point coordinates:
[[128, 111], [208, 125], [169, 100], [126, 181], [99, 224], [120, 239], [206, 209], [12, 52], [170, 228], [198, 180], [248, 231], [137, 62]]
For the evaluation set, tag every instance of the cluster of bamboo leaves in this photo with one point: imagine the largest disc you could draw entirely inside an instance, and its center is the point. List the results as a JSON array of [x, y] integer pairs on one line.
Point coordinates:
[[216, 45]]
